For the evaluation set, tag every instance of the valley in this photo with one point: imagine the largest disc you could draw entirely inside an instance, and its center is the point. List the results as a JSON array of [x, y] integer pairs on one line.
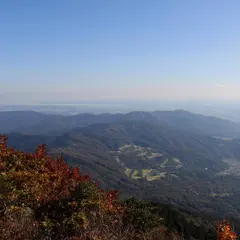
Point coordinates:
[[148, 155]]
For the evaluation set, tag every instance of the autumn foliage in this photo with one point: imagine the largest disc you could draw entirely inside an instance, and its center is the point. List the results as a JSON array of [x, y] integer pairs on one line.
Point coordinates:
[[47, 197], [43, 198], [224, 231]]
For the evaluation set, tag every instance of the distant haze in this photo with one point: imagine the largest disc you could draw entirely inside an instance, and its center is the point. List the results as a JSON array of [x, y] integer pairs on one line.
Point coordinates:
[[224, 109], [168, 92]]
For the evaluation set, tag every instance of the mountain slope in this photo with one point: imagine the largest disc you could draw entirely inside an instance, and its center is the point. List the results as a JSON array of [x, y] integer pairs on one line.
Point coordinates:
[[13, 120], [146, 155], [54, 201], [38, 123], [196, 123], [152, 161]]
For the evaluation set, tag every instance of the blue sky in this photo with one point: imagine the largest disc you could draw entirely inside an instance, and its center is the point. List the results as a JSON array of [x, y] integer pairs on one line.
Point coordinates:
[[94, 49]]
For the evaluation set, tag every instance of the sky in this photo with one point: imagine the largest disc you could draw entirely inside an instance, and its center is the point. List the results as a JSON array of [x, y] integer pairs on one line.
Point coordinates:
[[70, 50]]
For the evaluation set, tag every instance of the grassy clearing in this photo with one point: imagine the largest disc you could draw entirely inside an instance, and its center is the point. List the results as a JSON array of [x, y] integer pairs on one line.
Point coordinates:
[[136, 174], [146, 172], [153, 178], [128, 172], [163, 165]]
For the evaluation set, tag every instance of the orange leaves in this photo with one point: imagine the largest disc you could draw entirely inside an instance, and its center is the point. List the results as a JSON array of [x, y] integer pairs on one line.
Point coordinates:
[[37, 176], [56, 191], [224, 231], [3, 142], [3, 151], [41, 151], [41, 178], [111, 198], [76, 174]]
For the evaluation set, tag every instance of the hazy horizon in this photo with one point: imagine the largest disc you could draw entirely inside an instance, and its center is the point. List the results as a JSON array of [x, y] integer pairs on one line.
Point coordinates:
[[224, 109], [200, 93]]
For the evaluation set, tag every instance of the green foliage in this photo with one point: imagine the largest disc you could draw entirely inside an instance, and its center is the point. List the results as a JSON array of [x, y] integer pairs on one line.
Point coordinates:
[[140, 214]]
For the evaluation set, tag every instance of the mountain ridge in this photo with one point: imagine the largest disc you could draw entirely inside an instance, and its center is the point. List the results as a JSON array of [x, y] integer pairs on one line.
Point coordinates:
[[145, 157], [39, 123]]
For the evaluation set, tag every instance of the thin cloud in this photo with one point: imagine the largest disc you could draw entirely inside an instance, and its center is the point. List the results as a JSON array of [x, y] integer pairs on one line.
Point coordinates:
[[142, 92], [221, 86]]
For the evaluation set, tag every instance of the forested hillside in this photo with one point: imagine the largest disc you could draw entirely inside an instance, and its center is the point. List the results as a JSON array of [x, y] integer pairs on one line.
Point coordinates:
[[147, 160], [43, 198], [31, 122], [189, 161]]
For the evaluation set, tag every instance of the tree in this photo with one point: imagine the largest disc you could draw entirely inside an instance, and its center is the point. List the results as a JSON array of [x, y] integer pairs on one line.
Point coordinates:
[[224, 231]]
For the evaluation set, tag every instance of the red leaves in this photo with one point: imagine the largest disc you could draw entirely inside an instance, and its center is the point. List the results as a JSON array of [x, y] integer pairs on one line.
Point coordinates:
[[76, 173], [41, 151], [37, 180], [224, 231], [3, 142], [50, 165], [41, 178], [111, 197], [37, 176], [3, 149]]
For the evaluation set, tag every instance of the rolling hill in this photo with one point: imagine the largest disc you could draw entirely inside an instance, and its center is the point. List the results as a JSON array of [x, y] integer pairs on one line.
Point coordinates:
[[144, 157], [30, 122], [196, 123]]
